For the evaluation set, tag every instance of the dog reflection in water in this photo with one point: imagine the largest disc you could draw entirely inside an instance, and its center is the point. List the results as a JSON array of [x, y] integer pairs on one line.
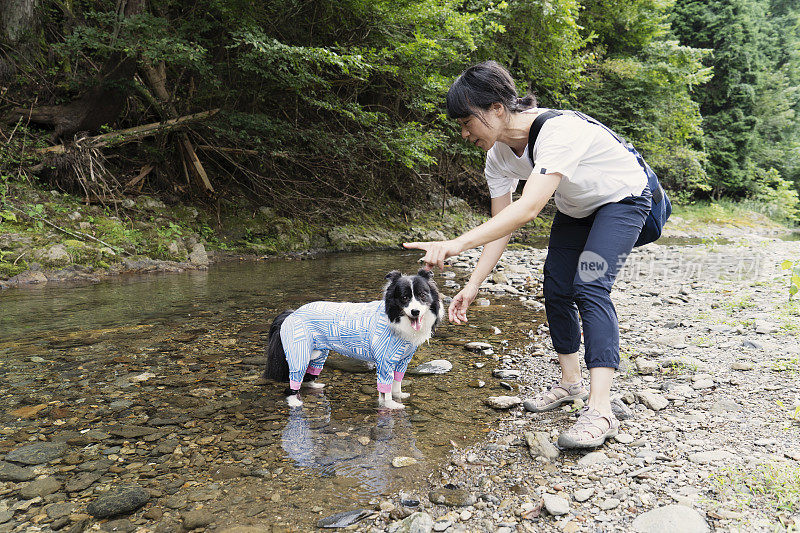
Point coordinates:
[[334, 448]]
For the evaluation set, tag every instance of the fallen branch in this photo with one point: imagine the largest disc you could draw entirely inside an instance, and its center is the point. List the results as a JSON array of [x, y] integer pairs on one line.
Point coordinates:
[[145, 171], [131, 134], [241, 151]]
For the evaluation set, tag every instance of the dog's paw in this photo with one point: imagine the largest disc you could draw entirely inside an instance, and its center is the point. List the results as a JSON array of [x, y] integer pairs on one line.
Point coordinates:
[[313, 385], [391, 404], [293, 401], [401, 395]]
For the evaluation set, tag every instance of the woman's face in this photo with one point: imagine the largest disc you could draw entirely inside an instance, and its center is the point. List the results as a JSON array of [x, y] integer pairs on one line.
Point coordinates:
[[482, 133]]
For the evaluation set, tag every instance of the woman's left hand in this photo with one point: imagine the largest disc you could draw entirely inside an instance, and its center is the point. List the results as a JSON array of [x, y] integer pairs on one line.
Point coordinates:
[[436, 251]]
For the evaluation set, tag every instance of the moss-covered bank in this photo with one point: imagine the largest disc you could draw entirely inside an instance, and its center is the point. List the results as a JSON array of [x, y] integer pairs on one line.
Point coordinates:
[[51, 236]]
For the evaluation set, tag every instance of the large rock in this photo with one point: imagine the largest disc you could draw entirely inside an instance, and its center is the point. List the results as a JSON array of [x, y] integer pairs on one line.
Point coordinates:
[[122, 500], [57, 254], [38, 453], [416, 523], [555, 505], [348, 364], [539, 445], [646, 366], [652, 400], [503, 402], [198, 255], [670, 519]]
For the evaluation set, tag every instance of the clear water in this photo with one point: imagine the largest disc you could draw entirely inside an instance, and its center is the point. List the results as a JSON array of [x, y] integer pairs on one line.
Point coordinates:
[[201, 335]]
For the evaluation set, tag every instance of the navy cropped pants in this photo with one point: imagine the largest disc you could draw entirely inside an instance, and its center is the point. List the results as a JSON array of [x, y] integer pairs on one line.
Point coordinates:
[[584, 257]]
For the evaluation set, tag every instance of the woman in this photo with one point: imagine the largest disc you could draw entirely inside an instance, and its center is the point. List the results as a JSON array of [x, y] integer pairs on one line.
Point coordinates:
[[602, 198]]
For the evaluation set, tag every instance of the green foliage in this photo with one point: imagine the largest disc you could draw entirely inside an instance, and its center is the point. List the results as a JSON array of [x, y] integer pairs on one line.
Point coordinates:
[[794, 276], [333, 104]]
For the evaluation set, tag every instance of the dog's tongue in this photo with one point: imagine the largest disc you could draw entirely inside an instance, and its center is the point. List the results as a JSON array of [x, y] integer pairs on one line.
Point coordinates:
[[416, 323]]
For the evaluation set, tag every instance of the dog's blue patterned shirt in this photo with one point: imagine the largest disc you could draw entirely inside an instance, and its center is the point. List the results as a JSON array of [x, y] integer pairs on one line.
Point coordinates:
[[358, 330]]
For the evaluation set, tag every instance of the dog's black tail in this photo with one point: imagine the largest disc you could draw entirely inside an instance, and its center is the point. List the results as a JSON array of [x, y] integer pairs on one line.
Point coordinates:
[[277, 368]]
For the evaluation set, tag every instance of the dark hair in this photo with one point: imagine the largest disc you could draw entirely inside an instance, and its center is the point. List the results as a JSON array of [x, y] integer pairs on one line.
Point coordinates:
[[480, 86]]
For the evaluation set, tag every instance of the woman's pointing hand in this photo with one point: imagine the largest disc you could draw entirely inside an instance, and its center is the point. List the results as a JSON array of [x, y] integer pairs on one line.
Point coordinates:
[[436, 251]]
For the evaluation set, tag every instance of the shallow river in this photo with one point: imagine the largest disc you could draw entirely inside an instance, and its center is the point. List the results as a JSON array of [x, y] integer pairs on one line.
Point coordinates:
[[156, 380]]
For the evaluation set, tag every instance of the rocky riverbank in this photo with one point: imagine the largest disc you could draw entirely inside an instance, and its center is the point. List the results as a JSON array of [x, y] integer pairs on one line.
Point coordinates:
[[707, 394]]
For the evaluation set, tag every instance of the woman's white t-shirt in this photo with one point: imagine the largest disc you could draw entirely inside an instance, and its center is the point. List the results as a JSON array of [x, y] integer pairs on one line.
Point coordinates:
[[596, 168]]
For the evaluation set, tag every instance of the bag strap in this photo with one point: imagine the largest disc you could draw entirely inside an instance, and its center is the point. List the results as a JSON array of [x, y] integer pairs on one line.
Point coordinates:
[[536, 127]]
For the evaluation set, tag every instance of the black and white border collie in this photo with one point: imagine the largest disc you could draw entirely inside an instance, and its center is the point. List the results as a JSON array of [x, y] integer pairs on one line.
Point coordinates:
[[413, 308]]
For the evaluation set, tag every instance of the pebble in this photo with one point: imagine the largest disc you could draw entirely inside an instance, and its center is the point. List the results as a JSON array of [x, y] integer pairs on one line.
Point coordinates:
[[581, 495], [12, 472], [742, 365], [610, 503]]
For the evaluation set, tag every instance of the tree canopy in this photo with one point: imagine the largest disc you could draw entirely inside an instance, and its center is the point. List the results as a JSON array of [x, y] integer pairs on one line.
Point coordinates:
[[328, 104]]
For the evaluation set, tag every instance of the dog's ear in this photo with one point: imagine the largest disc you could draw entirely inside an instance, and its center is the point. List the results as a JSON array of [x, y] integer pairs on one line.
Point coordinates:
[[393, 276], [427, 274]]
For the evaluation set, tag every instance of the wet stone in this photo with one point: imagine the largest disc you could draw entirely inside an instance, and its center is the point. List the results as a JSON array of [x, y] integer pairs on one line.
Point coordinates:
[[12, 472], [122, 500], [437, 366], [38, 453], [477, 346], [59, 510], [506, 373], [503, 402], [81, 482], [39, 487], [451, 496], [197, 518], [118, 526], [343, 519]]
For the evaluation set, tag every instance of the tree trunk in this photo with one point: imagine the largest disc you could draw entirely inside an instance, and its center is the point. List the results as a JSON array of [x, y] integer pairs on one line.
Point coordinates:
[[101, 104], [16, 18]]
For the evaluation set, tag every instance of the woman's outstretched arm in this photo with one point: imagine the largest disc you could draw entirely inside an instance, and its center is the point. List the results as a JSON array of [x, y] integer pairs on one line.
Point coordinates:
[[535, 195]]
